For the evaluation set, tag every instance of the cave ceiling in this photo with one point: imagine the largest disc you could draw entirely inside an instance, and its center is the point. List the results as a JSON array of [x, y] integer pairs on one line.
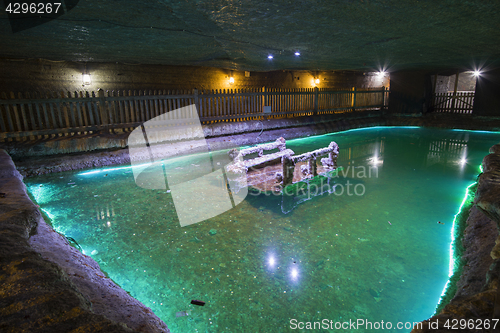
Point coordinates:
[[241, 35]]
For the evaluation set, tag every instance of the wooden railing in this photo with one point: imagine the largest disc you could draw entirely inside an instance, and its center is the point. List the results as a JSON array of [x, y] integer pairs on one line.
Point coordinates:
[[459, 102], [36, 115]]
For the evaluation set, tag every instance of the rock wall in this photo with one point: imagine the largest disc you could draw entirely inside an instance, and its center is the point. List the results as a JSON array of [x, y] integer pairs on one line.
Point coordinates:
[[29, 75], [477, 299], [49, 286]]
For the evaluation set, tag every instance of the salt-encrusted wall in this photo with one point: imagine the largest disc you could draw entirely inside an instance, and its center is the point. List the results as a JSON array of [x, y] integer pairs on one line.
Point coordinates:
[[28, 75]]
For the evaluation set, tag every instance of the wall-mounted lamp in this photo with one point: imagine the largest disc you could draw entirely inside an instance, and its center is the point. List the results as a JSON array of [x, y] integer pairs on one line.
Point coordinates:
[[270, 56], [476, 73], [315, 82], [231, 80], [85, 79], [297, 53]]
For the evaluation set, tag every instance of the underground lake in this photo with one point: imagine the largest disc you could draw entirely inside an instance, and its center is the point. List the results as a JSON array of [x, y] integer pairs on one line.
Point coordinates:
[[373, 244]]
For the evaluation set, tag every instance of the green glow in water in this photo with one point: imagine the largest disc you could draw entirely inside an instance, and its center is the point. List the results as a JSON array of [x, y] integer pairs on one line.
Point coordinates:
[[377, 256], [453, 260]]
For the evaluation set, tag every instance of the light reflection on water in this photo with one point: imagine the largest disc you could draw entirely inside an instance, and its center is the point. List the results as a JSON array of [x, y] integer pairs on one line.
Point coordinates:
[[377, 256]]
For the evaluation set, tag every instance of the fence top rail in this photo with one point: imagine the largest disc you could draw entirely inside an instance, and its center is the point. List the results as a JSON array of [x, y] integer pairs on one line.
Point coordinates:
[[48, 100], [147, 97], [451, 93], [91, 99], [352, 91], [224, 93]]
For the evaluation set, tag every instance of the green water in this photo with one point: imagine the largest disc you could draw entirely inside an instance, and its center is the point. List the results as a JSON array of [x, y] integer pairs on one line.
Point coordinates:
[[375, 253]]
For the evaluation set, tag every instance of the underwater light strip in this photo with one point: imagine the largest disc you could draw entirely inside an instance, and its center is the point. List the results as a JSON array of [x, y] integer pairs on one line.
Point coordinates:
[[452, 264], [478, 131], [144, 165], [376, 127], [165, 161], [103, 170], [52, 218]]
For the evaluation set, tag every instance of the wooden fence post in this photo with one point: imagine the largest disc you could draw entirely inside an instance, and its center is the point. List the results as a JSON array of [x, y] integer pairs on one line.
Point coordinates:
[[316, 100], [266, 98], [197, 102], [383, 98], [353, 98], [102, 109], [454, 93]]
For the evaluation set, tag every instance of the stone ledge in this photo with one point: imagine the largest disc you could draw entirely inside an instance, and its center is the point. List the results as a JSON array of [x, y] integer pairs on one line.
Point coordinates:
[[97, 150], [48, 286]]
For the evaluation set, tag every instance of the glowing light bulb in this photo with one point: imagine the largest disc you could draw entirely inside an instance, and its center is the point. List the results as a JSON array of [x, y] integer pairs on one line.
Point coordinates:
[[231, 80], [86, 79], [297, 53], [270, 56], [316, 81], [476, 73]]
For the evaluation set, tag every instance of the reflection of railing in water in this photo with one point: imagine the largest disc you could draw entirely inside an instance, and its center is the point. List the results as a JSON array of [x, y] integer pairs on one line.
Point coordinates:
[[105, 213], [295, 194], [446, 151], [352, 152]]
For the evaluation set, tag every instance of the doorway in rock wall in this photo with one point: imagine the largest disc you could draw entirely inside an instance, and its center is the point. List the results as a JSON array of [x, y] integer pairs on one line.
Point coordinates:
[[453, 93]]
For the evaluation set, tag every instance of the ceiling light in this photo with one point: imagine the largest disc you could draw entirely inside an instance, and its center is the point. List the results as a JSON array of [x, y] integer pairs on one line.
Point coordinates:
[[297, 53], [269, 56]]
